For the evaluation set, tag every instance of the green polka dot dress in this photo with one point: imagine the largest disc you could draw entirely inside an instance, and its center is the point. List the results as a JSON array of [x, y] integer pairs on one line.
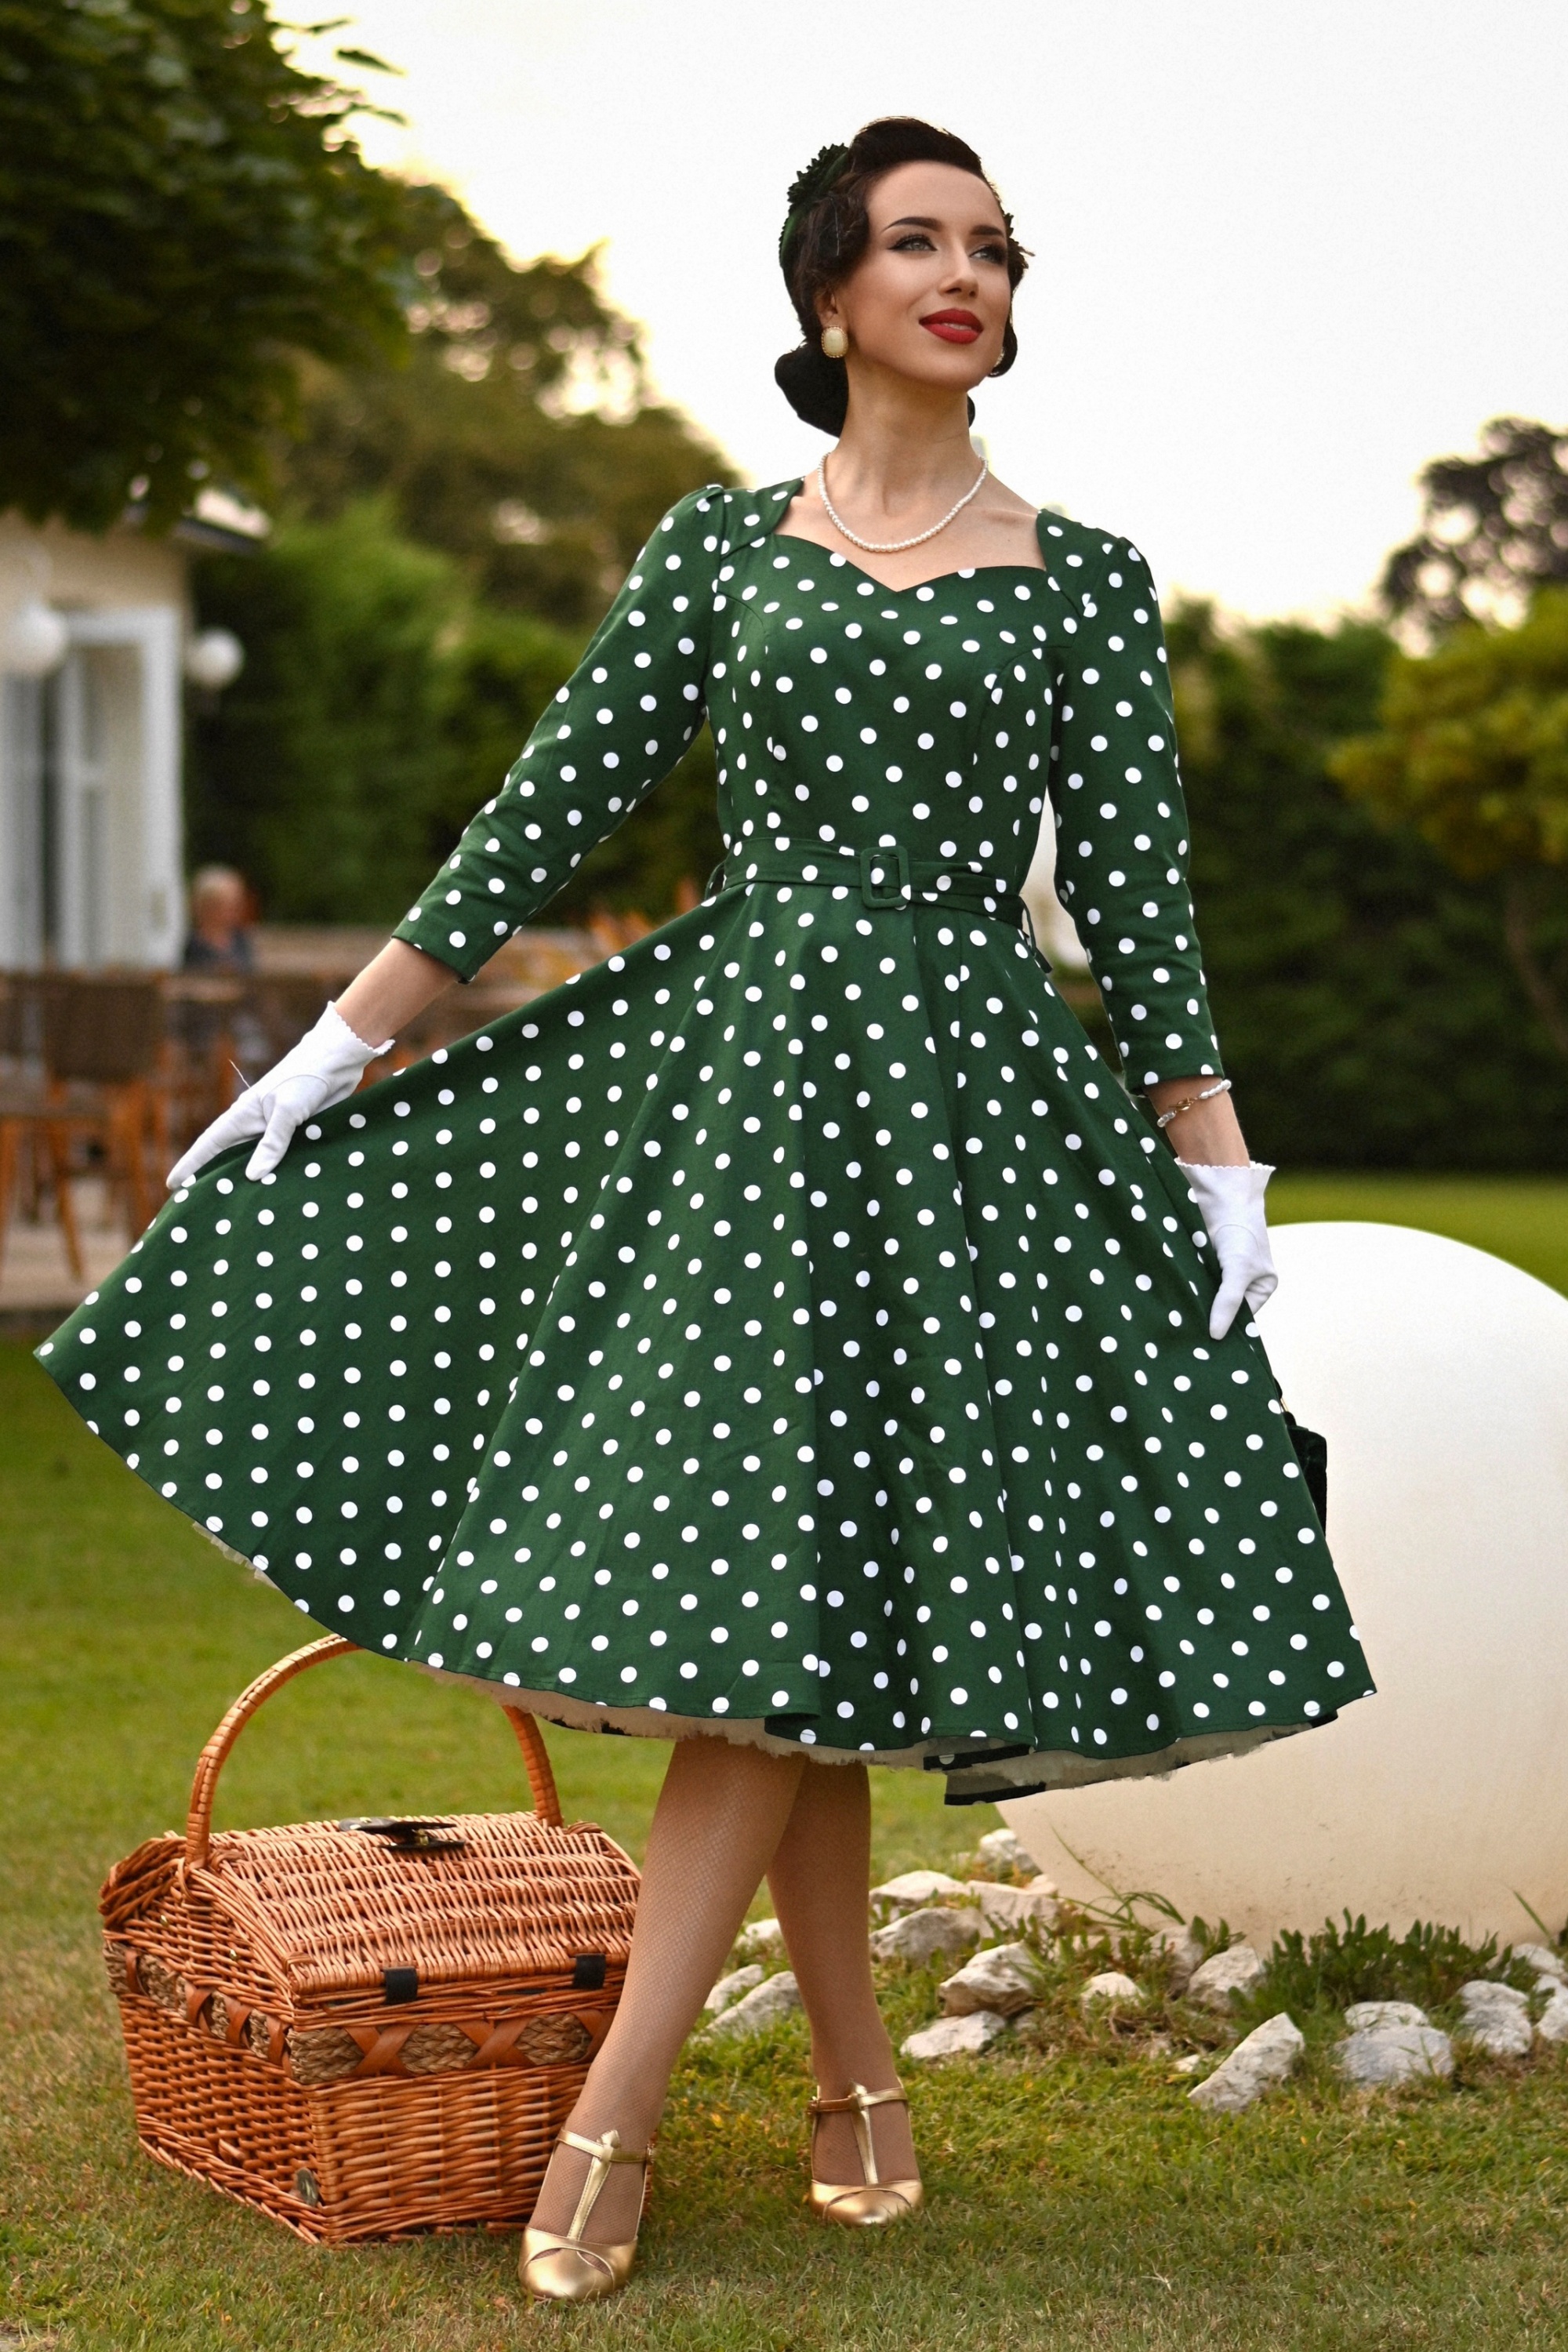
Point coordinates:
[[789, 1329]]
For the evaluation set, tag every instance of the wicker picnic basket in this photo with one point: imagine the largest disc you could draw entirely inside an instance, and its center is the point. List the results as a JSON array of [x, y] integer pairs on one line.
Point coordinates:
[[366, 2028]]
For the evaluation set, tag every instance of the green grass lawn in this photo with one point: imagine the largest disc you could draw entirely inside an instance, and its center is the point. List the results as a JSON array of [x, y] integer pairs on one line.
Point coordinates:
[[1522, 1218], [1076, 2198]]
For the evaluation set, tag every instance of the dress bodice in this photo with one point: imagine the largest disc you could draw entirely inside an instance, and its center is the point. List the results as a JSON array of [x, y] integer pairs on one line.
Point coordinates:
[[846, 712], [849, 715]]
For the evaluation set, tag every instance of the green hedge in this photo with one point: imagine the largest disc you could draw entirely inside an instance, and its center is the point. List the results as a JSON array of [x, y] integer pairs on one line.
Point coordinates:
[[1367, 1008]]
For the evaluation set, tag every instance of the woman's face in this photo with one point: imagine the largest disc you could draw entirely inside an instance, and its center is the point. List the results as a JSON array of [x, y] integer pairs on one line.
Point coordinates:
[[930, 297]]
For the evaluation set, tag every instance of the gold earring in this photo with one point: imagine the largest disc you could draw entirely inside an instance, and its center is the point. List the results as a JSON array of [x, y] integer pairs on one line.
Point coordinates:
[[835, 343]]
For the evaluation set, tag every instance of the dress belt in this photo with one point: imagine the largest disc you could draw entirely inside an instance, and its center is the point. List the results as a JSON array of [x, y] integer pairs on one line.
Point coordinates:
[[883, 878]]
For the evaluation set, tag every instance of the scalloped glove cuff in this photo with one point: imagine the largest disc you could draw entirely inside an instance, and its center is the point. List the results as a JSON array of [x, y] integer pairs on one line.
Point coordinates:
[[324, 1068]]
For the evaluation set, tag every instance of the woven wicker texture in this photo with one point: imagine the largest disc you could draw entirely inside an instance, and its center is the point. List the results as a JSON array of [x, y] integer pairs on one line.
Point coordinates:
[[366, 2030], [314, 1911]]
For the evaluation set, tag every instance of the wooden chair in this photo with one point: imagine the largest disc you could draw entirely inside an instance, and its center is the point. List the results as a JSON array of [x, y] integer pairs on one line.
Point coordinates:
[[79, 1057], [35, 1144], [205, 1016], [34, 1137], [103, 1034]]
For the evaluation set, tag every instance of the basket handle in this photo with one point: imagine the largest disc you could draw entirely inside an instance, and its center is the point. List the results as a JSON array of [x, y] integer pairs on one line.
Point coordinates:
[[213, 1755]]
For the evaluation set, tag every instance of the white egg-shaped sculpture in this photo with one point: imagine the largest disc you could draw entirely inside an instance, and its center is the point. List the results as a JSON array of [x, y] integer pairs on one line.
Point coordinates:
[[1439, 1377]]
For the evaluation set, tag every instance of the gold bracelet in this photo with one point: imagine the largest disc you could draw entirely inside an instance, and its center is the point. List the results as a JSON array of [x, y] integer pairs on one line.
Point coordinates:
[[1162, 1118]]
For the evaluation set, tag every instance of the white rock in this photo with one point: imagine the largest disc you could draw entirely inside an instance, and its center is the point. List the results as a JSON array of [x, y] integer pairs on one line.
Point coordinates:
[[1185, 1957], [1112, 1985], [914, 1890], [1258, 2065], [1496, 2019], [1002, 1979], [728, 1989], [774, 1999], [1189, 2064], [1388, 2055], [1553, 2023], [1224, 1975], [1542, 1958], [956, 2037], [1484, 1993], [1034, 1906], [920, 1936], [1369, 2016], [1004, 1850], [763, 1940]]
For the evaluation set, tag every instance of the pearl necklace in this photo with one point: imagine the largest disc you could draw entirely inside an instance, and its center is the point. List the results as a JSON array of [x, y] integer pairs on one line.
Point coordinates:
[[893, 546]]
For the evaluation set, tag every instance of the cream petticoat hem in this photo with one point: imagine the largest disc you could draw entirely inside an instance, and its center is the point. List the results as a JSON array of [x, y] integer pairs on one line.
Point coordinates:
[[989, 1779]]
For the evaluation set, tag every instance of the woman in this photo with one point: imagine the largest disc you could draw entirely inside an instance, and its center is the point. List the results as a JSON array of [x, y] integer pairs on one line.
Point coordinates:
[[816, 1352]]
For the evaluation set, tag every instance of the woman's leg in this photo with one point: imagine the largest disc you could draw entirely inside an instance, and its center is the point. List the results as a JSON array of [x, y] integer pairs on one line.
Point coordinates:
[[820, 1879], [719, 1816]]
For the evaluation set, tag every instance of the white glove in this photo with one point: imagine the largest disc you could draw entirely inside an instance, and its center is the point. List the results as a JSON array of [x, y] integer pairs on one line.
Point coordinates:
[[324, 1068], [1231, 1200]]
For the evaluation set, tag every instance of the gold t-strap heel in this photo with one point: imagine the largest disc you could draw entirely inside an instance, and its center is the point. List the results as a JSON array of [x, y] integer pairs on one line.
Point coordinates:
[[556, 2269], [873, 2202]]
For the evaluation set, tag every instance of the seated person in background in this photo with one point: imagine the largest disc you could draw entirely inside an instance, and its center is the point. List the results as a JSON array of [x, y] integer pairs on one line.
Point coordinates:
[[219, 937]]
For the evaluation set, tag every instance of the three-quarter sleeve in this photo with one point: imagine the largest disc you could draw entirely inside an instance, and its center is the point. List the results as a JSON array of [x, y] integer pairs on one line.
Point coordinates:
[[1122, 825], [614, 731]]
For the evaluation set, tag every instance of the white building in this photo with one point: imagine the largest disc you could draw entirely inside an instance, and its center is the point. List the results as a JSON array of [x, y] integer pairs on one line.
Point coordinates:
[[94, 644]]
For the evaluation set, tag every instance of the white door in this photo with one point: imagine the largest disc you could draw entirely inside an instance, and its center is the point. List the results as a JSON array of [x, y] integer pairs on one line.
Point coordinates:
[[95, 807], [90, 832], [116, 831]]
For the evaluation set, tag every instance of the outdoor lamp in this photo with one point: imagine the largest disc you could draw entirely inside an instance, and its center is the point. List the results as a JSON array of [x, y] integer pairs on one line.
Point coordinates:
[[213, 659], [36, 640]]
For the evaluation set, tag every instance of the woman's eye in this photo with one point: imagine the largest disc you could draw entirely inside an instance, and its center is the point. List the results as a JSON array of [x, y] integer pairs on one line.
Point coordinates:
[[991, 253], [914, 240]]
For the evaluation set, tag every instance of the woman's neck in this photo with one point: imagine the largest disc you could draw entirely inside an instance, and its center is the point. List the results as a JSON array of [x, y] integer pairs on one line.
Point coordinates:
[[901, 452]]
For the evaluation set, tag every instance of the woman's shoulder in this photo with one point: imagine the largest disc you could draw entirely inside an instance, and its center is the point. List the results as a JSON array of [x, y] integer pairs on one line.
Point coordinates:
[[748, 515], [710, 524], [691, 516], [1082, 550], [1085, 547], [721, 511]]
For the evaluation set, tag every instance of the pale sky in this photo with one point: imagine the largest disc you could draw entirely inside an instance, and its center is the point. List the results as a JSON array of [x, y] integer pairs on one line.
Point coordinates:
[[1284, 254]]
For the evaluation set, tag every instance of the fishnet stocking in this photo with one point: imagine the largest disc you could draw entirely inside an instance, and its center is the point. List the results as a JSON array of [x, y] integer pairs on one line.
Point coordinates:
[[820, 1878], [719, 1816], [724, 1816]]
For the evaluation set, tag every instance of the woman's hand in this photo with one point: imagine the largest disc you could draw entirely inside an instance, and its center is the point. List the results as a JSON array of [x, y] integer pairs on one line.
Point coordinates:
[[1231, 1200], [1211, 1154], [326, 1064], [324, 1068]]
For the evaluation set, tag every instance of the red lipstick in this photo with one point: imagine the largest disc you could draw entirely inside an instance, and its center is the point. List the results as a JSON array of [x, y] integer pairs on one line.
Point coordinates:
[[953, 326]]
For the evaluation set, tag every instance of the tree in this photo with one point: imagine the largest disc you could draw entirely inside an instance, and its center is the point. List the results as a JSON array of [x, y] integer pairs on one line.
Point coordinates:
[[181, 214], [521, 448], [380, 705], [1366, 1007], [1496, 530], [326, 771], [1473, 753], [522, 437]]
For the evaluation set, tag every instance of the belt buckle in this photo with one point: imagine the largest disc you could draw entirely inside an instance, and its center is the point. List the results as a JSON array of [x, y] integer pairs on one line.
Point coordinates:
[[877, 894]]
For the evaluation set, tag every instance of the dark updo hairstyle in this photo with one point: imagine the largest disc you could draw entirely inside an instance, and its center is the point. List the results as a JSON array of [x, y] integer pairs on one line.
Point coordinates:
[[828, 231]]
